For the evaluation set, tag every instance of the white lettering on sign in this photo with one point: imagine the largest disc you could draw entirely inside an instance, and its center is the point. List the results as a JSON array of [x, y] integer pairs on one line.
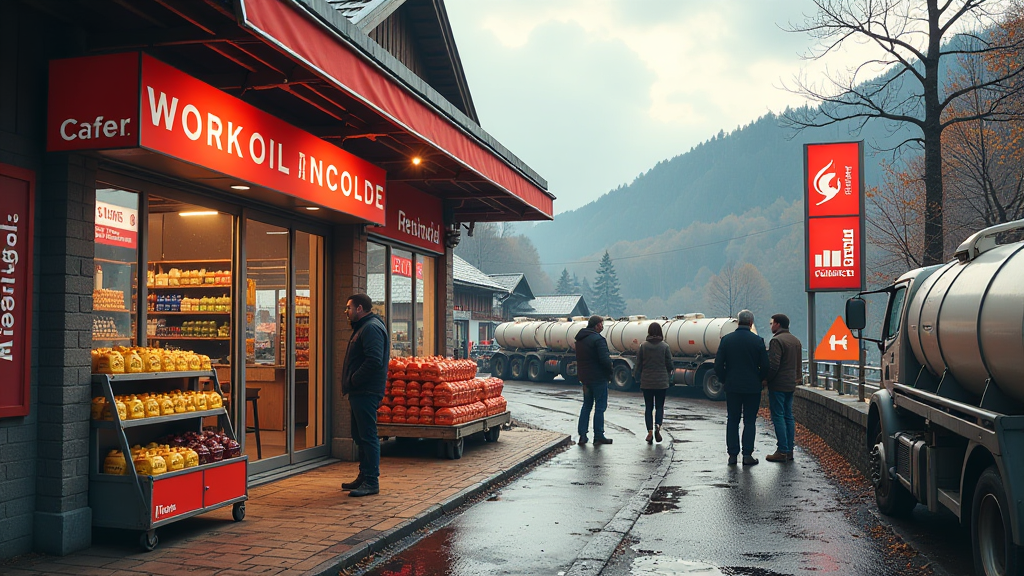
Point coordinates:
[[193, 122], [430, 232], [8, 283], [72, 129], [117, 216], [160, 510]]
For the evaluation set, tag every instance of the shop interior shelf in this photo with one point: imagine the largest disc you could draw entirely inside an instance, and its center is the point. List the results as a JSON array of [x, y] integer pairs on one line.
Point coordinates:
[[110, 310], [155, 313], [192, 287], [114, 339], [158, 419], [142, 376], [189, 261], [212, 339]]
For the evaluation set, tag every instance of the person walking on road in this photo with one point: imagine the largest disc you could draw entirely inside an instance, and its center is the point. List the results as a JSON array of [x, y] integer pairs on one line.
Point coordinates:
[[653, 369], [362, 380], [784, 355], [594, 369], [742, 365]]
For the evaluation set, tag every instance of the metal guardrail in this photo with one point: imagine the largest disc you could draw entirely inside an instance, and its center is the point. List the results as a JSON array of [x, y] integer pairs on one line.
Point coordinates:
[[844, 378]]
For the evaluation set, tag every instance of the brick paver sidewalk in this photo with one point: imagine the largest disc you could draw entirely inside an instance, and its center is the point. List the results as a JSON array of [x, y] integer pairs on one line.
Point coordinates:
[[305, 524]]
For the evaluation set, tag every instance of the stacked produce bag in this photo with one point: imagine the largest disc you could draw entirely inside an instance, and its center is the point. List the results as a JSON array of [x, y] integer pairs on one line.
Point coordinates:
[[438, 391]]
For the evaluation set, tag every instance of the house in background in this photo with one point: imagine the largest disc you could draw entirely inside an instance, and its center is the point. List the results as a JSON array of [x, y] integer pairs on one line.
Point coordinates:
[[519, 293], [553, 306], [477, 299]]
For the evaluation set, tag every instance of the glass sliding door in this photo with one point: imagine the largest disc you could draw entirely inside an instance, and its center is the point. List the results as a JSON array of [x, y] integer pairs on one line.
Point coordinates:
[[308, 427]]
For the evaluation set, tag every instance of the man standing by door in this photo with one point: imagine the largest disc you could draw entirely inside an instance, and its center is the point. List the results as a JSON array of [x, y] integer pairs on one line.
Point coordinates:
[[594, 368], [784, 355], [362, 380], [742, 365]]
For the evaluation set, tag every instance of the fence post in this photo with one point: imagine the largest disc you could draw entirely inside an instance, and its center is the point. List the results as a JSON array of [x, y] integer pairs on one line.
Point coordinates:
[[839, 377], [861, 378]]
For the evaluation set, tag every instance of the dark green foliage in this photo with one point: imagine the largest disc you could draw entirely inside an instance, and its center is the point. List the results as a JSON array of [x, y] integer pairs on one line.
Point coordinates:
[[607, 300]]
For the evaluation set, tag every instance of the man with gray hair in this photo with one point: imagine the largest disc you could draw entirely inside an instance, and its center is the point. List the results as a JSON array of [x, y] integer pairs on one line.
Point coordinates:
[[742, 365]]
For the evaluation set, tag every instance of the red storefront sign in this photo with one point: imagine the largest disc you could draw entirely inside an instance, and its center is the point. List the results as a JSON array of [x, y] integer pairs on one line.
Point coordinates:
[[116, 225], [151, 105], [414, 218], [17, 198], [834, 205]]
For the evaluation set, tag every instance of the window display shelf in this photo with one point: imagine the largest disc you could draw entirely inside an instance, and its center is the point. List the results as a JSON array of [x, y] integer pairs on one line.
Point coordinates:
[[159, 419], [110, 310], [116, 338], [222, 338], [155, 313], [191, 287], [190, 261]]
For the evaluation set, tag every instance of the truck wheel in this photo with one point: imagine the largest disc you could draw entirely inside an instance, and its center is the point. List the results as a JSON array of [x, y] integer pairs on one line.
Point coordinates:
[[563, 369], [991, 534], [892, 498], [713, 387], [535, 369], [517, 368], [622, 378], [499, 366]]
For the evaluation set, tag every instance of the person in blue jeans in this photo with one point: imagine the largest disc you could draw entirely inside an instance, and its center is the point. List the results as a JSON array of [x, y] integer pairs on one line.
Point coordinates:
[[594, 369], [784, 356]]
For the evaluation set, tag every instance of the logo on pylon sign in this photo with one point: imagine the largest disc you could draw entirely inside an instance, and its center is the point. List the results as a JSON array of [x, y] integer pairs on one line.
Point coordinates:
[[838, 344]]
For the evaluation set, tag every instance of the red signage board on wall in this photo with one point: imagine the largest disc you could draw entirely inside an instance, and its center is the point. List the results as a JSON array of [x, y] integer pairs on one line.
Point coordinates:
[[17, 207], [116, 225], [151, 105], [834, 243], [415, 218]]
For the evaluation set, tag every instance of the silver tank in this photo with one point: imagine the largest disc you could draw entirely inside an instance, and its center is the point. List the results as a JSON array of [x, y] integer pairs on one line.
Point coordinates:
[[520, 334], [561, 336], [695, 335], [628, 335], [968, 316], [609, 325]]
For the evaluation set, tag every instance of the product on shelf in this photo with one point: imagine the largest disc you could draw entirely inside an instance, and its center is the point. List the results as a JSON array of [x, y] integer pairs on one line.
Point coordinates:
[[301, 305], [152, 405], [103, 299], [121, 360], [104, 327], [179, 277]]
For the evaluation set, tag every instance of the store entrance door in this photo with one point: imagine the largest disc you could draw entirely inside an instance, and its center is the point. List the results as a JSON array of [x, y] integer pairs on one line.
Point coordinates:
[[284, 363]]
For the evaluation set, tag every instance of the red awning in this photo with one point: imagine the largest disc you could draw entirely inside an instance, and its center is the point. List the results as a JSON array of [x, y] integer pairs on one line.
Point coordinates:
[[290, 29]]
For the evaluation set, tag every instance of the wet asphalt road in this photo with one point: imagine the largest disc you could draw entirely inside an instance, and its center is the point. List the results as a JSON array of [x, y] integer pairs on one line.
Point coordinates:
[[706, 518]]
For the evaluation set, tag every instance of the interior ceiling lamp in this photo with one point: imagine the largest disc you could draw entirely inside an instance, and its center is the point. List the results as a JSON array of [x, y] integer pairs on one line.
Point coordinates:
[[312, 207], [199, 213], [239, 187], [416, 160]]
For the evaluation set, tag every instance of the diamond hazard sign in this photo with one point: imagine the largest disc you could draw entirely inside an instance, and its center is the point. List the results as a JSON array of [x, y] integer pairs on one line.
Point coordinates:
[[838, 344]]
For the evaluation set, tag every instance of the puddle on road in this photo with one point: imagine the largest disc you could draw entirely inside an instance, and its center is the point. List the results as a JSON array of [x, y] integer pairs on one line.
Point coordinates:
[[664, 499], [431, 555], [665, 566], [685, 417]]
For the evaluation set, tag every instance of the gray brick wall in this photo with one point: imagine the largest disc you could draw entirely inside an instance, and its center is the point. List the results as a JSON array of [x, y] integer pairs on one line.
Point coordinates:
[[349, 277], [841, 421]]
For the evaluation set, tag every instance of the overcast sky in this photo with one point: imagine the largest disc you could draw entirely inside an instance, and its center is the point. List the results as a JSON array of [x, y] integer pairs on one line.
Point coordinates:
[[591, 93]]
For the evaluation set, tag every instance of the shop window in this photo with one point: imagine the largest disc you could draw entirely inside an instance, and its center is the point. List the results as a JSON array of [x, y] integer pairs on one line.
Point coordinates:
[[116, 281], [401, 303], [426, 303], [376, 274], [309, 344]]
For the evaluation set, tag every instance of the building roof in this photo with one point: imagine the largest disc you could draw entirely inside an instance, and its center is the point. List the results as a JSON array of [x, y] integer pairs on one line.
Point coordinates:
[[401, 288], [514, 283], [554, 306], [438, 62], [466, 274]]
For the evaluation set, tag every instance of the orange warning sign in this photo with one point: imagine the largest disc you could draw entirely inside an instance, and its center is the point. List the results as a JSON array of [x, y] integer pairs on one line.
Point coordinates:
[[838, 345]]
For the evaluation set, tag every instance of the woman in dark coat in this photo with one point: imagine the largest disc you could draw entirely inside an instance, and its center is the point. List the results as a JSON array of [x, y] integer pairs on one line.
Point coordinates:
[[653, 370]]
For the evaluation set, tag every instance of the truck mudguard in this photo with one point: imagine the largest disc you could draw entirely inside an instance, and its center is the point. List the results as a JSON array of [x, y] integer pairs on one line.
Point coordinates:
[[882, 411]]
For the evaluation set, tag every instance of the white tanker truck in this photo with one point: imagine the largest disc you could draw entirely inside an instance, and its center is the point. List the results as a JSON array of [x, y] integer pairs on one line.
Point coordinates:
[[947, 427], [540, 350]]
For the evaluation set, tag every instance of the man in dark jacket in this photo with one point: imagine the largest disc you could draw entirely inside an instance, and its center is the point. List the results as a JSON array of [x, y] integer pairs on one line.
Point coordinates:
[[742, 365], [784, 356], [594, 368], [362, 380]]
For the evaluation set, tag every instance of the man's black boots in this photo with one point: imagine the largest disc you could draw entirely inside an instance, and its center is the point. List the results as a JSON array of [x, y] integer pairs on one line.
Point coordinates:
[[369, 487], [353, 484]]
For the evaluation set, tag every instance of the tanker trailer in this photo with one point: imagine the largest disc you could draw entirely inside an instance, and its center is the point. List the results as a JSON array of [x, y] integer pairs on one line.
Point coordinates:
[[947, 427], [519, 340], [694, 340]]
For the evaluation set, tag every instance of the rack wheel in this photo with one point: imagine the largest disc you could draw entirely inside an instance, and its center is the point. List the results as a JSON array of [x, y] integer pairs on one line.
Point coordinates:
[[238, 511], [492, 434], [148, 540], [453, 449]]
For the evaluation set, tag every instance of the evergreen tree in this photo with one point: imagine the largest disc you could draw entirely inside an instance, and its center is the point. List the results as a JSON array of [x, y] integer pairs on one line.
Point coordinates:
[[587, 292], [564, 285], [576, 287], [607, 299]]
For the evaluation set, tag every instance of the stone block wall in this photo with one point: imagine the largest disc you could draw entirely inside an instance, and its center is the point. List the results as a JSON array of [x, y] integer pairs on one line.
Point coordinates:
[[841, 421], [349, 278]]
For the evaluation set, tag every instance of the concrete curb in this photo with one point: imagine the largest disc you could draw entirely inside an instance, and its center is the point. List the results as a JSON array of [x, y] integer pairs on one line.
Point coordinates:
[[398, 533], [596, 554]]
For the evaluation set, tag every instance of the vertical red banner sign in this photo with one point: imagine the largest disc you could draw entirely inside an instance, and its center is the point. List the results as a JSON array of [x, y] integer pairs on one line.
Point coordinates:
[[17, 198], [834, 243]]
